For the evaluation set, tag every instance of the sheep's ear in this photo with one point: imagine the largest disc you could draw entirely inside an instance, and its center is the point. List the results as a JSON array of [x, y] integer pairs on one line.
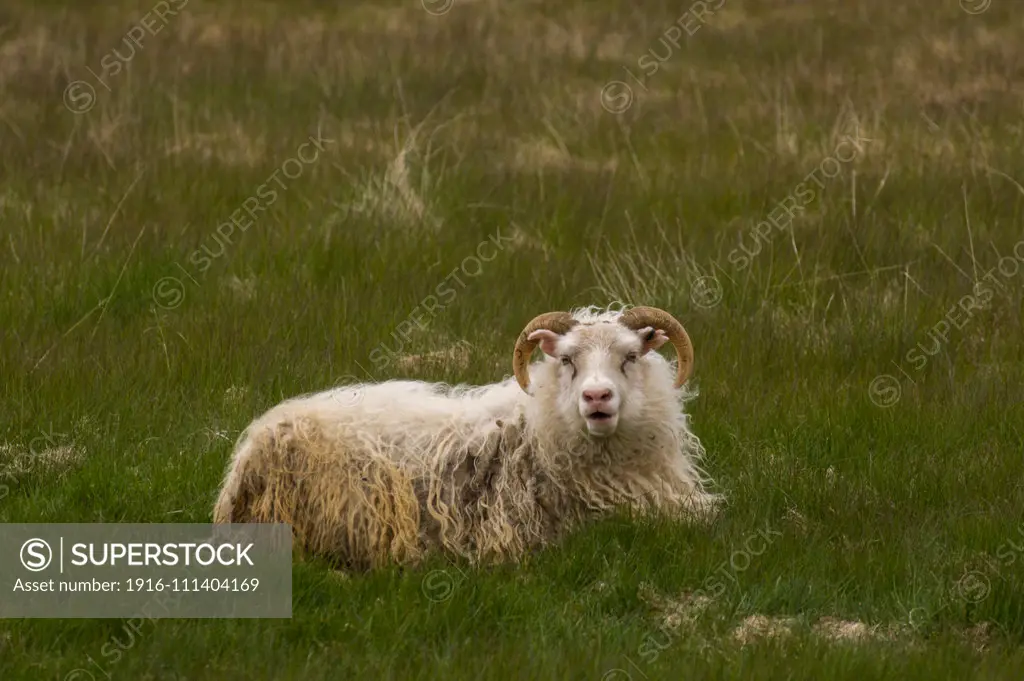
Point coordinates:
[[651, 338], [547, 340]]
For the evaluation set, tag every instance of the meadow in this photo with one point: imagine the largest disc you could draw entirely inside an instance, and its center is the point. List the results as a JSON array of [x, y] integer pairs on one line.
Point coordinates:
[[208, 207]]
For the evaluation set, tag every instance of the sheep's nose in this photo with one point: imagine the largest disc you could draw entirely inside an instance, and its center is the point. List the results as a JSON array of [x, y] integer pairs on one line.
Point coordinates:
[[597, 395]]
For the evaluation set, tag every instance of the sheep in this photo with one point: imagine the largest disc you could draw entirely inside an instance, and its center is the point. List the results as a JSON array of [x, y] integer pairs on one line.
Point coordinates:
[[376, 473]]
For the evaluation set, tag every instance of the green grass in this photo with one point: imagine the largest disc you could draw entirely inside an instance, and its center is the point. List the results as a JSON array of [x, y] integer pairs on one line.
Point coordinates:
[[894, 502]]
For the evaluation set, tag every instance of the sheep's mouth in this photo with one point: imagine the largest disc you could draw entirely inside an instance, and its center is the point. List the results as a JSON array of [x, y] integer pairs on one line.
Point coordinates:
[[599, 416]]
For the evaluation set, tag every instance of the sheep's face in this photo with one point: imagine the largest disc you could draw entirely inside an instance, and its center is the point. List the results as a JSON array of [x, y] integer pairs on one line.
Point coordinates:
[[601, 370]]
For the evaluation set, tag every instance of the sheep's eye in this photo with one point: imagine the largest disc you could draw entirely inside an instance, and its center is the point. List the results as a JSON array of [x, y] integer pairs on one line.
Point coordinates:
[[566, 361], [630, 357]]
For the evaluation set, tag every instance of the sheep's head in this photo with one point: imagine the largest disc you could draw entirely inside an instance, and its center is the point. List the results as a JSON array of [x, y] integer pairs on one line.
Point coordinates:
[[602, 366]]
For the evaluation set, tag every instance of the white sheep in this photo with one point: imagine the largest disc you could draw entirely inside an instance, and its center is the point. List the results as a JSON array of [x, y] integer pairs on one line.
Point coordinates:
[[372, 473]]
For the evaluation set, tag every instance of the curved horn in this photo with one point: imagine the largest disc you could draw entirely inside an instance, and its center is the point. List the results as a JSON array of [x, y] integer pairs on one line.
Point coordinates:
[[558, 322], [639, 317]]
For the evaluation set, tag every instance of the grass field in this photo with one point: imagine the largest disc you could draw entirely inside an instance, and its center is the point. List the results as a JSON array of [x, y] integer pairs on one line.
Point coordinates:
[[208, 207]]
